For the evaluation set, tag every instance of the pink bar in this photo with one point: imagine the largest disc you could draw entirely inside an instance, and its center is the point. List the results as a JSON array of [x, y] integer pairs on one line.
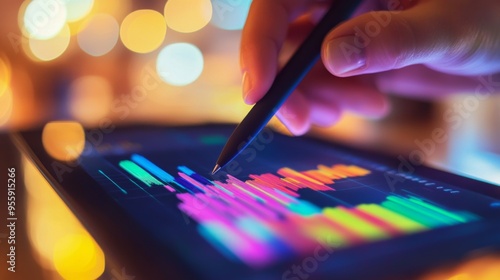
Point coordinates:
[[192, 181], [169, 188]]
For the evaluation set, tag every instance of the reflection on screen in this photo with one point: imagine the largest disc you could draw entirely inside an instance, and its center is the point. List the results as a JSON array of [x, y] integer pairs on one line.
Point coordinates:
[[269, 217]]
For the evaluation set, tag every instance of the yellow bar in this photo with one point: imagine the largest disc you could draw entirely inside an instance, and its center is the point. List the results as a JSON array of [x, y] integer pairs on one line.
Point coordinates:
[[327, 236], [355, 224]]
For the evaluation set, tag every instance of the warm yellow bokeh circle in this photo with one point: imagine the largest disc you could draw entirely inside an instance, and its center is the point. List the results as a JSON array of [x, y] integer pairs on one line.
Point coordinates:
[[188, 16], [143, 31]]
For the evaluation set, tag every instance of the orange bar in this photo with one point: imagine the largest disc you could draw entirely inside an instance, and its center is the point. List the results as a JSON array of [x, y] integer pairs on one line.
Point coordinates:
[[358, 170], [331, 172], [319, 176], [340, 168], [292, 173], [309, 182]]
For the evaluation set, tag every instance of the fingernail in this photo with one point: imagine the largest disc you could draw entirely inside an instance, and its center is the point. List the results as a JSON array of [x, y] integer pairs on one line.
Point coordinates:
[[247, 86], [343, 56]]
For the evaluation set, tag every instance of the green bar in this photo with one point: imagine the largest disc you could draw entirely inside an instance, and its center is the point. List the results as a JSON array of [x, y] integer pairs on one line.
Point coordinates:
[[422, 210], [213, 139], [399, 221], [468, 215], [462, 219], [139, 173], [412, 214]]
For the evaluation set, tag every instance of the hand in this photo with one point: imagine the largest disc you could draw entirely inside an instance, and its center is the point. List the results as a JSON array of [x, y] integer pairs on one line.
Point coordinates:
[[420, 48]]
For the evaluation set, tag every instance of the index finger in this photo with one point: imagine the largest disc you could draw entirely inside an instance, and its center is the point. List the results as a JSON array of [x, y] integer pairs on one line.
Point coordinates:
[[262, 38]]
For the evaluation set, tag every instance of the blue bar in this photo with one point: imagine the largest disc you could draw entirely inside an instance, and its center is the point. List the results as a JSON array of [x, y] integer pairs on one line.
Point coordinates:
[[186, 170], [151, 167]]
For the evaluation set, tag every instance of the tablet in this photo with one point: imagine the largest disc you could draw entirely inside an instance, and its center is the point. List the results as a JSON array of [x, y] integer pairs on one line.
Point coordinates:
[[285, 208]]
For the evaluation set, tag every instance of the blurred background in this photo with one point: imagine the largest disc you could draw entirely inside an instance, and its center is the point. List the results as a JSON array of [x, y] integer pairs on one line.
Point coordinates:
[[96, 62]]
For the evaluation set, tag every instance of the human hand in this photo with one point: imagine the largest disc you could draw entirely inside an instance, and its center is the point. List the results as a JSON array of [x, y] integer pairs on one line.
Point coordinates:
[[420, 48]]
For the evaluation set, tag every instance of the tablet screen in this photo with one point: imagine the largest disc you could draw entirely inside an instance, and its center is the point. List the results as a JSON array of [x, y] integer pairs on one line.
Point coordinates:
[[280, 198]]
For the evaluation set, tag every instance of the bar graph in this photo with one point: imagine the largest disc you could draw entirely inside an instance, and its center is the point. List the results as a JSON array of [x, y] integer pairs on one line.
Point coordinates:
[[265, 218]]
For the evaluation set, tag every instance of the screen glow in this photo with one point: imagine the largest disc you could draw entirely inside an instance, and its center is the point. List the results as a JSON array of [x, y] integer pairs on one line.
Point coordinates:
[[277, 202], [264, 218]]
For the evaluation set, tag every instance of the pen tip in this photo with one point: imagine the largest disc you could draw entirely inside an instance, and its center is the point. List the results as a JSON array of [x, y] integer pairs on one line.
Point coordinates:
[[216, 168]]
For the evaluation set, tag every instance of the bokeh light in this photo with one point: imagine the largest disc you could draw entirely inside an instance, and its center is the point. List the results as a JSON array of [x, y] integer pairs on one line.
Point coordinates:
[[179, 64], [5, 73], [188, 15], [55, 232], [25, 109], [90, 99], [52, 48], [6, 105], [78, 9], [99, 35], [21, 16], [143, 31], [76, 256], [230, 15], [6, 98], [63, 140], [116, 8], [44, 19]]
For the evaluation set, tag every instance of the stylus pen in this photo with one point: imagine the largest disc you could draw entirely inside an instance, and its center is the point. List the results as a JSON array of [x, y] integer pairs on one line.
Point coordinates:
[[285, 82]]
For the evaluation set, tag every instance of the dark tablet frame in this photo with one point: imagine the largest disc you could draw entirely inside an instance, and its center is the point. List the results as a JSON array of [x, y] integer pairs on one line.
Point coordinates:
[[127, 245]]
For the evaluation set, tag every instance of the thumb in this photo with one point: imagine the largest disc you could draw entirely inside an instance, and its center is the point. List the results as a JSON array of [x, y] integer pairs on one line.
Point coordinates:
[[428, 33]]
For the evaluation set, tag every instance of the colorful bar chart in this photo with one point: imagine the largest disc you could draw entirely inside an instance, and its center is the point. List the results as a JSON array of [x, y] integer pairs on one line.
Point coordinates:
[[264, 218]]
